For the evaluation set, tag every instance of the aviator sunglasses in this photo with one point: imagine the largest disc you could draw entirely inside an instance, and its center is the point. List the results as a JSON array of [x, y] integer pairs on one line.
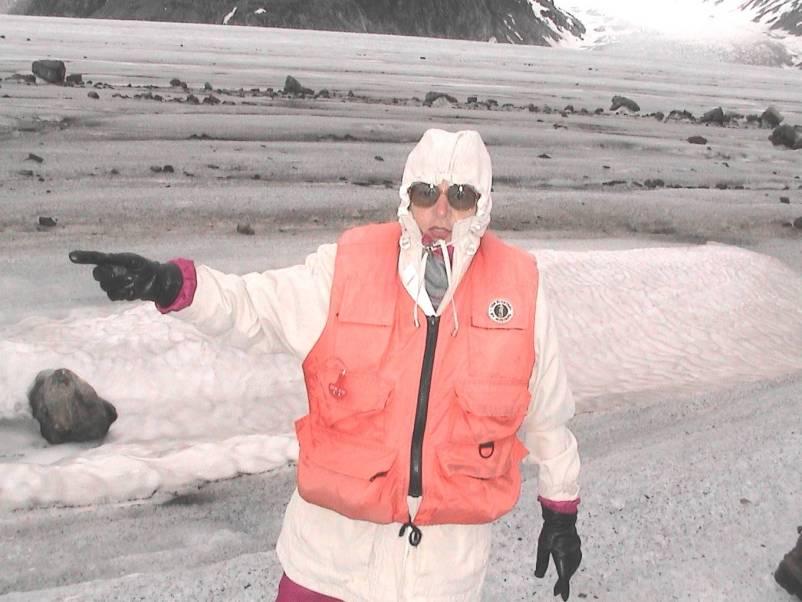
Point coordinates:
[[460, 196]]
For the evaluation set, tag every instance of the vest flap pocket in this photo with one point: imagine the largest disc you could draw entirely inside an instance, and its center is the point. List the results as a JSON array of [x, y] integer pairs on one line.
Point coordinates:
[[486, 461], [348, 455], [357, 307], [344, 394], [490, 410]]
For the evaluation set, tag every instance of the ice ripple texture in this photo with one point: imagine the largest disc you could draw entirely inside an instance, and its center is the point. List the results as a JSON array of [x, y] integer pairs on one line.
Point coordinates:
[[193, 409], [671, 319]]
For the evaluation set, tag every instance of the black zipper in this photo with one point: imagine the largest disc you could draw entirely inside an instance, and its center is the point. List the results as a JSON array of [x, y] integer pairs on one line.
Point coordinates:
[[422, 410]]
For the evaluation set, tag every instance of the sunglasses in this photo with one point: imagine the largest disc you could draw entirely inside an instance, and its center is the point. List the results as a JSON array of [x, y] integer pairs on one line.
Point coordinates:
[[460, 196]]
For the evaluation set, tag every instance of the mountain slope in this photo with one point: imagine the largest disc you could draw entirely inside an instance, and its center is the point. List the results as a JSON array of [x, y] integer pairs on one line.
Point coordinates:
[[537, 22], [785, 15]]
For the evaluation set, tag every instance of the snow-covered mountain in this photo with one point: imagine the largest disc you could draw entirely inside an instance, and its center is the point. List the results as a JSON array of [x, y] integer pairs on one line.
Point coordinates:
[[537, 22], [759, 32], [784, 15]]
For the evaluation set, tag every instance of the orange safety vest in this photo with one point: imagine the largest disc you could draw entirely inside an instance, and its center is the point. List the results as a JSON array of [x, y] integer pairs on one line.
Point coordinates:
[[363, 380]]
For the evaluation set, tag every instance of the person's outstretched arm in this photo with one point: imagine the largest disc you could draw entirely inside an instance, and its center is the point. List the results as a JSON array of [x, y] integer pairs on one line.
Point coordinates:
[[276, 310]]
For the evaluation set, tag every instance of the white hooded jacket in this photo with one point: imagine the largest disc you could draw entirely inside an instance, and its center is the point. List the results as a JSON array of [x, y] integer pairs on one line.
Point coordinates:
[[286, 309]]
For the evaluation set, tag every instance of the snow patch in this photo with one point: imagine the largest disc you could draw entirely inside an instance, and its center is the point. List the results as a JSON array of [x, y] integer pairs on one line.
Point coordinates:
[[229, 16]]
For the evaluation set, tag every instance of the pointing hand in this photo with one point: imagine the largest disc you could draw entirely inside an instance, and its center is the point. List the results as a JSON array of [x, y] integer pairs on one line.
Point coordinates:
[[128, 276]]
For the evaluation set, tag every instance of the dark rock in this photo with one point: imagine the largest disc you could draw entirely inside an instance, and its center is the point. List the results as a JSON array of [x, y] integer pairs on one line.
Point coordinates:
[[786, 135], [68, 408], [472, 99], [245, 228], [614, 182], [207, 86], [713, 116], [28, 173], [177, 83], [74, 79], [697, 140], [293, 86], [323, 94], [785, 199], [156, 168], [654, 183], [51, 71], [544, 156], [435, 97], [627, 103], [379, 158], [211, 100], [770, 118], [33, 157], [168, 169], [798, 223], [491, 102], [93, 94], [598, 111], [192, 99], [23, 77], [47, 221], [659, 115], [683, 115]]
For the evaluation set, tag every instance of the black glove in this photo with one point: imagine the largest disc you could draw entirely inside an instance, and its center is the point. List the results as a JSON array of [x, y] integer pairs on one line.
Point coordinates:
[[558, 538], [127, 276]]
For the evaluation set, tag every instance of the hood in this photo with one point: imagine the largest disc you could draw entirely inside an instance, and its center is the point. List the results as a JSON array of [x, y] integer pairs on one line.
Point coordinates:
[[458, 158]]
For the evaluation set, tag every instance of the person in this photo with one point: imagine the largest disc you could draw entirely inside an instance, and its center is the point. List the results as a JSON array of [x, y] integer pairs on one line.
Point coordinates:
[[789, 572], [431, 367]]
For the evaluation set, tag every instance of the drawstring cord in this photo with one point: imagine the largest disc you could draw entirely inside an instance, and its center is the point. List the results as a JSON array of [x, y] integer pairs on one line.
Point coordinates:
[[415, 535], [447, 261], [421, 280]]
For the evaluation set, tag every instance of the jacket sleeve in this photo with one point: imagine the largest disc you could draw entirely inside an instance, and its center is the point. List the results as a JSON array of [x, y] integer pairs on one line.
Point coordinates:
[[551, 444], [282, 310]]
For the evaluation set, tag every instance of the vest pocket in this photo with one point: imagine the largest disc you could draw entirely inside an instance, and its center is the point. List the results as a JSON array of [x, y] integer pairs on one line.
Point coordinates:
[[488, 411], [345, 399], [348, 474], [472, 460]]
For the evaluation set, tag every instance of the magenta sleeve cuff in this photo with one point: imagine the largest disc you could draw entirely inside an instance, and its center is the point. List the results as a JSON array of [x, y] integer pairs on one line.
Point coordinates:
[[187, 292], [567, 507]]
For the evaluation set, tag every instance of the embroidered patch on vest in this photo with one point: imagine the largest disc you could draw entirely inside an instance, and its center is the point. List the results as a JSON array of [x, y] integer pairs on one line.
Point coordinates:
[[500, 311]]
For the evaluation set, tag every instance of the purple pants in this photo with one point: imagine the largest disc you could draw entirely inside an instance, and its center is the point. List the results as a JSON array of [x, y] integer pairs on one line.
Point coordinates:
[[289, 591]]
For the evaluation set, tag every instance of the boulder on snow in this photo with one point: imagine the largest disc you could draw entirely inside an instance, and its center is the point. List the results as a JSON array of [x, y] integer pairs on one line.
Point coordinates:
[[680, 115], [68, 408], [786, 135], [51, 71], [623, 101], [439, 99], [770, 118], [293, 86], [697, 140], [713, 116]]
